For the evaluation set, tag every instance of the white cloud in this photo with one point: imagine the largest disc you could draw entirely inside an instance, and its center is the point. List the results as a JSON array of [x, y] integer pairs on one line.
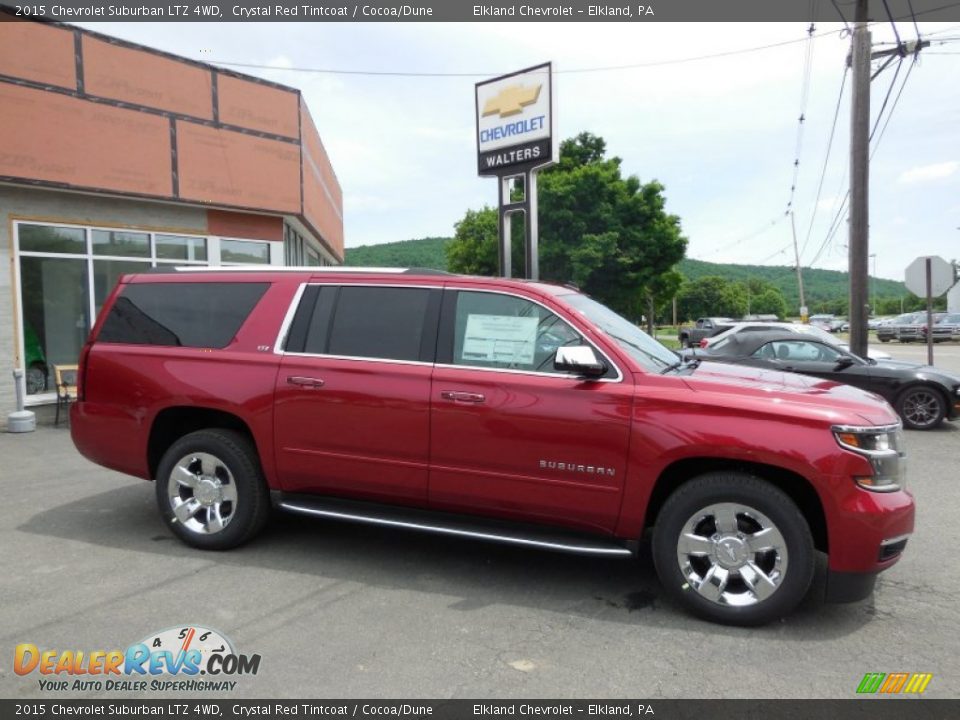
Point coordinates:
[[926, 173]]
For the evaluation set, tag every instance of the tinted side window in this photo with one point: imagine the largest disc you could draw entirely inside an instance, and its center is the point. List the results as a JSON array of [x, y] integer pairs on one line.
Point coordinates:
[[379, 322], [504, 331], [181, 314]]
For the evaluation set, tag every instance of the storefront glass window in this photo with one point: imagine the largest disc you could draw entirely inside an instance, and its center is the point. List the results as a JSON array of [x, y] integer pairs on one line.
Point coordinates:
[[113, 242], [56, 316], [180, 247], [63, 283], [244, 251], [43, 238], [105, 276]]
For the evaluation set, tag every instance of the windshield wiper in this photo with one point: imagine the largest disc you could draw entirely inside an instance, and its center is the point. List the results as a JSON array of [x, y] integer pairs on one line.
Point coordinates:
[[692, 362]]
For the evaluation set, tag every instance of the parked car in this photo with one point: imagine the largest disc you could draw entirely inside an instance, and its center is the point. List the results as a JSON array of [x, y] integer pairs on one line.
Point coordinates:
[[487, 408], [691, 335], [948, 328], [781, 327], [830, 323], [923, 396], [891, 330], [916, 330]]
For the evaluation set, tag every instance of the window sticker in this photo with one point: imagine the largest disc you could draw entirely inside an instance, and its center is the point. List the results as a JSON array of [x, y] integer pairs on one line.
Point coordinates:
[[500, 338]]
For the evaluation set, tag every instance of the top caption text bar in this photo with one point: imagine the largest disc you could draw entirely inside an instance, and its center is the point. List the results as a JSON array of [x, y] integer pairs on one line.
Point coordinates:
[[471, 11]]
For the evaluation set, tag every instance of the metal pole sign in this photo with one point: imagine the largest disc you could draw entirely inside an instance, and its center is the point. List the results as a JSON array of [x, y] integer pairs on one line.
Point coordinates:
[[929, 276], [515, 139]]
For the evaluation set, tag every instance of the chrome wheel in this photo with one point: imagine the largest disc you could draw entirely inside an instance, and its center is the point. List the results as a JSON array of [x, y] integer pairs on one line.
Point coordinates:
[[921, 409], [202, 493], [732, 554]]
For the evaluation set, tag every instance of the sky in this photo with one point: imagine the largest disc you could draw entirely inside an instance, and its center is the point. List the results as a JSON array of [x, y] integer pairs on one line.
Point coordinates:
[[721, 134]]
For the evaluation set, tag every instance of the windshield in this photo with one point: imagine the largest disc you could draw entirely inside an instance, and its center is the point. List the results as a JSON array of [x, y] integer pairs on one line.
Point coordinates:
[[631, 339]]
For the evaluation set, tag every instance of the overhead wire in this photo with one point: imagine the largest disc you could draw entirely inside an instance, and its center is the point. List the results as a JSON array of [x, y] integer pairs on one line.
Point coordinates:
[[563, 71], [838, 219], [826, 160], [893, 107], [886, 98], [804, 98]]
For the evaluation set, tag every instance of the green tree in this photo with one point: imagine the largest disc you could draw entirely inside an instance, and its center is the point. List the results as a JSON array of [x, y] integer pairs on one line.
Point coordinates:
[[769, 302], [712, 296], [608, 234], [473, 249], [660, 294], [763, 298]]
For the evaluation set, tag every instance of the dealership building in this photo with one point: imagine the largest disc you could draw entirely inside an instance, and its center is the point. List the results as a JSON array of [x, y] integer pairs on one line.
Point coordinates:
[[115, 158]]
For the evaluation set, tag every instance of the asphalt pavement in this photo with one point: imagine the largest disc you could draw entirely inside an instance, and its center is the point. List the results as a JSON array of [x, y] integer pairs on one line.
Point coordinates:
[[346, 611]]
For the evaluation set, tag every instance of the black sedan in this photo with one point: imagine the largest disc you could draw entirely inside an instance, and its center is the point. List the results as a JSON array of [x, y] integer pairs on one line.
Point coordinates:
[[922, 395]]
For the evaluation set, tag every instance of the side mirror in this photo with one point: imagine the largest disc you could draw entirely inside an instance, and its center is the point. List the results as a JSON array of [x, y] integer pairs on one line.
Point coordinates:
[[580, 360], [844, 362]]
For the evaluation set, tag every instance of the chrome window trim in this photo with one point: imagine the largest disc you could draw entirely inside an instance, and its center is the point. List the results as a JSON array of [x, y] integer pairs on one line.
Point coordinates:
[[306, 269], [562, 316], [295, 303], [359, 358], [288, 320]]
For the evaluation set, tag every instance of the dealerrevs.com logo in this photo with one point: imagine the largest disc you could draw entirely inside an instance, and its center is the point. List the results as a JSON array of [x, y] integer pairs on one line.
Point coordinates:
[[170, 660], [894, 683]]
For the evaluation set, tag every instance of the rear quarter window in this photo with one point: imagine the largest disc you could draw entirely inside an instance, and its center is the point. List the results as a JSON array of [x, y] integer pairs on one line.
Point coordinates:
[[201, 314]]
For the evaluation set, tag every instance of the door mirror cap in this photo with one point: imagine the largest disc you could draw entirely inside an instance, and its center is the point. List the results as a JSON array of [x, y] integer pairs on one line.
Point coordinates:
[[580, 360], [844, 362]]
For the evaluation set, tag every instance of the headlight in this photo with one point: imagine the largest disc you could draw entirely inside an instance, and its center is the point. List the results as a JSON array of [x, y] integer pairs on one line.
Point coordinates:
[[883, 447]]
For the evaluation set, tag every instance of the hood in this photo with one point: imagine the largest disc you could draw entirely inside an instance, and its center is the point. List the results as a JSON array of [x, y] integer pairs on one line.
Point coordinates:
[[925, 370], [781, 393]]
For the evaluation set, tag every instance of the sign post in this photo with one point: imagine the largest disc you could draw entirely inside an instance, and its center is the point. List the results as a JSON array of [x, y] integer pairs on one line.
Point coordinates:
[[515, 120], [929, 276]]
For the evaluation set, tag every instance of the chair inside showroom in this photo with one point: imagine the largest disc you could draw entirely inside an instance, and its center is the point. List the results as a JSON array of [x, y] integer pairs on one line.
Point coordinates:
[[65, 377]]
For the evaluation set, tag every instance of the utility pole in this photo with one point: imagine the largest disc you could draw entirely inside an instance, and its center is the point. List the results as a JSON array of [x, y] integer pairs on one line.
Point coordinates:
[[859, 241], [796, 254]]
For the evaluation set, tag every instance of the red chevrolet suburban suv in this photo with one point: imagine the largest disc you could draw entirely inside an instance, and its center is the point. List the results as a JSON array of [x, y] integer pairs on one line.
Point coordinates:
[[505, 410]]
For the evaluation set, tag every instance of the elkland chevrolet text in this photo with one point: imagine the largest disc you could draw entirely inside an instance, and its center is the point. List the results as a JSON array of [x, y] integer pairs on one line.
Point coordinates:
[[503, 410]]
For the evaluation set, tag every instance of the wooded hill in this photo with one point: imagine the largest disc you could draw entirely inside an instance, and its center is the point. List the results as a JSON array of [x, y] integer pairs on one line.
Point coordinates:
[[819, 285]]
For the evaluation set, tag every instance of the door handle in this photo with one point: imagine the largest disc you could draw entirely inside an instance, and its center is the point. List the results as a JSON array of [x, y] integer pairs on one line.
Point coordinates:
[[307, 382], [463, 397]]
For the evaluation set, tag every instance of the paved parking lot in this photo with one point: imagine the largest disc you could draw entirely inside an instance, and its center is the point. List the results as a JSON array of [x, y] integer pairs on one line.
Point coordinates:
[[339, 610]]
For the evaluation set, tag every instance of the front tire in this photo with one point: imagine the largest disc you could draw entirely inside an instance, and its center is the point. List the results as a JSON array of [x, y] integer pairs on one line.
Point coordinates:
[[921, 408], [733, 549], [211, 491], [36, 379]]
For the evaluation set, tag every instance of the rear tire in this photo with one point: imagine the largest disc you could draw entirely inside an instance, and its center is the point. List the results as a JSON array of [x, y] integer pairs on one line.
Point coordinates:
[[211, 491], [684, 341], [733, 549]]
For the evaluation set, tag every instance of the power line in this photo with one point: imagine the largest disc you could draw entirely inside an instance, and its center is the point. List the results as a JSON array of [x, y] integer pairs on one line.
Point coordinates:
[[605, 68], [804, 97], [886, 98], [749, 236], [826, 160], [835, 225], [893, 107], [781, 251]]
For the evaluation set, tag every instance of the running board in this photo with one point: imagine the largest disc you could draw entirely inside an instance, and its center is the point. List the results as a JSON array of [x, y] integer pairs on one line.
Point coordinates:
[[449, 524]]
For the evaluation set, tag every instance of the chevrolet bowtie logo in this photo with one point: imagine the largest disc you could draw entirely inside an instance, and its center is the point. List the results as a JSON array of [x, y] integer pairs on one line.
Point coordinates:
[[511, 100]]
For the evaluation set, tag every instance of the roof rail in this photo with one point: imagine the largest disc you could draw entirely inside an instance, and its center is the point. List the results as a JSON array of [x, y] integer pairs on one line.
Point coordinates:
[[300, 268]]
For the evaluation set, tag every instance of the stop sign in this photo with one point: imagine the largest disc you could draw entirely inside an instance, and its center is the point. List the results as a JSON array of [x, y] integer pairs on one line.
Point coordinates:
[[941, 276]]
